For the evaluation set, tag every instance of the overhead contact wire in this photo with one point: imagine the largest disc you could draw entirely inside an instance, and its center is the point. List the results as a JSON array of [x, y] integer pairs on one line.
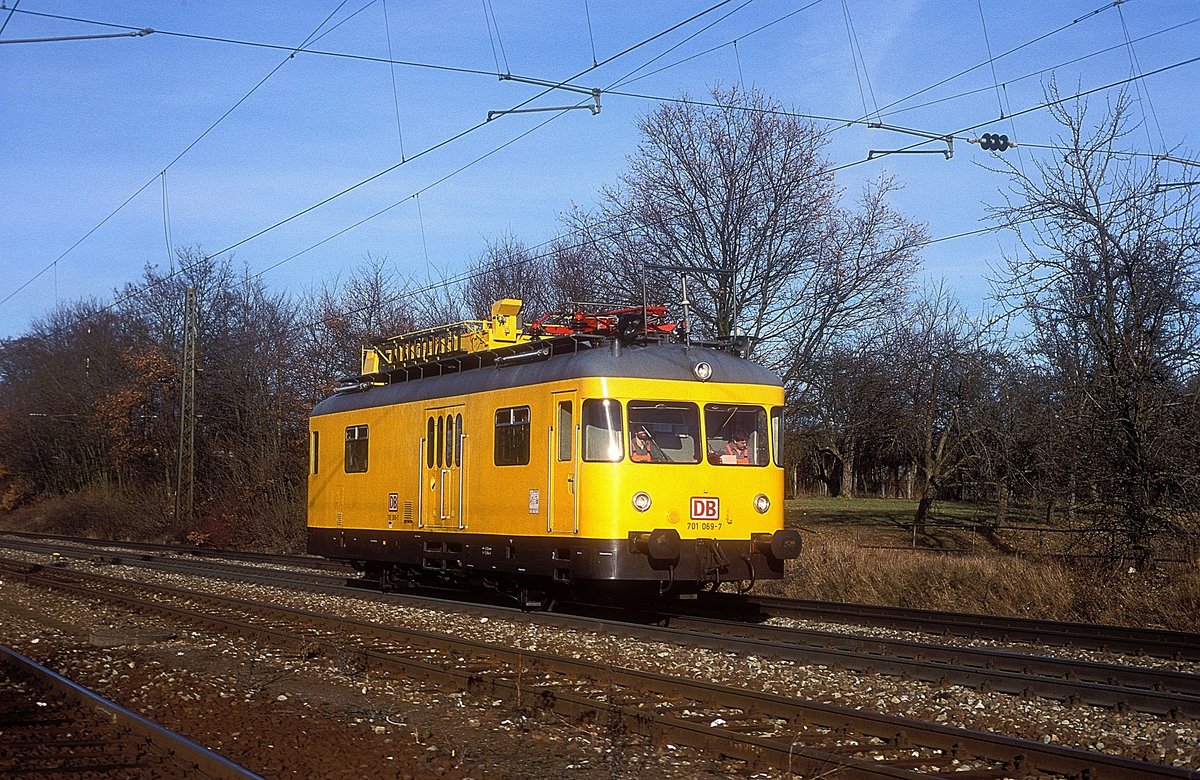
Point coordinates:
[[353, 187], [126, 202]]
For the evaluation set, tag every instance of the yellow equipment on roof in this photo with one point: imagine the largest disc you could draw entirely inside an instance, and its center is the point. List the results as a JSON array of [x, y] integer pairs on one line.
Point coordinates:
[[447, 341]]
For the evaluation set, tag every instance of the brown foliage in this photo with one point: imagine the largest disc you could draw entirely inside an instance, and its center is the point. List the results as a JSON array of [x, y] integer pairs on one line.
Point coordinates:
[[834, 568]]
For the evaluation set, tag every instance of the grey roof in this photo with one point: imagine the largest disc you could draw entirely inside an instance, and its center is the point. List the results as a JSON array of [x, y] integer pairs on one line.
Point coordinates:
[[649, 361]]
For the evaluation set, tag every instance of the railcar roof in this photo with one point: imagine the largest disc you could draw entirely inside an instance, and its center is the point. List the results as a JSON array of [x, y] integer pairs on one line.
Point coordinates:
[[669, 361]]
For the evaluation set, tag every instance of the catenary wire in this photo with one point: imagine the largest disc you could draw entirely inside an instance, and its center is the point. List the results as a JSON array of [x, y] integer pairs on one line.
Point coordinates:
[[550, 243], [53, 263], [1042, 71], [979, 125], [1136, 67], [8, 18], [472, 274], [440, 144]]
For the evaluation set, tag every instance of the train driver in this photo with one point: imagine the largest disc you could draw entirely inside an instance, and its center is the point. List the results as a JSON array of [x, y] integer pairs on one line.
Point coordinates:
[[641, 447], [737, 449]]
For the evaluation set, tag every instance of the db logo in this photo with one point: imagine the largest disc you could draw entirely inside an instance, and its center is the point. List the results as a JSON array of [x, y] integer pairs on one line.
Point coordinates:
[[706, 508]]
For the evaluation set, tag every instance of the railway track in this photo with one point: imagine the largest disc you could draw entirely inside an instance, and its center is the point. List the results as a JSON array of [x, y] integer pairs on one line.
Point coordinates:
[[1160, 692], [1019, 673], [51, 727], [1157, 643], [1126, 640], [757, 727]]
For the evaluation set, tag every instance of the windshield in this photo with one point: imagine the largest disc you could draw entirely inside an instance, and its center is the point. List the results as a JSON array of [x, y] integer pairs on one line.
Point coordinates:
[[737, 435], [663, 432]]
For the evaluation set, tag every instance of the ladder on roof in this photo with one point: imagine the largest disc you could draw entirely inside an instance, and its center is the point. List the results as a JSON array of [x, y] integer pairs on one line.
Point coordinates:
[[447, 341]]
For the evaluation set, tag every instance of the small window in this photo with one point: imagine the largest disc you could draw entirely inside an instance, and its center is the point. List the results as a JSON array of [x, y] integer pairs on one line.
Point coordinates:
[[430, 444], [458, 440], [565, 425], [356, 449], [512, 436], [441, 432], [777, 434], [316, 449], [450, 437], [602, 430]]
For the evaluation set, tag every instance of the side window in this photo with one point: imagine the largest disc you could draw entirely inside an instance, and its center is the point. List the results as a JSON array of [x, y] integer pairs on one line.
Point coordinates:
[[777, 434], [458, 440], [430, 444], [512, 436], [565, 426], [602, 430], [450, 438], [356, 449], [441, 433]]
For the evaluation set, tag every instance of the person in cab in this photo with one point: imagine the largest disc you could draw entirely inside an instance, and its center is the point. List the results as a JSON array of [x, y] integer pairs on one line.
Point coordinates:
[[641, 446], [737, 450]]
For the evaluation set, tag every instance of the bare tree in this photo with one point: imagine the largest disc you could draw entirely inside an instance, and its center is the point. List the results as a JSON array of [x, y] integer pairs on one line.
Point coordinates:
[[851, 408], [945, 374], [341, 317], [1109, 279], [508, 270], [738, 193]]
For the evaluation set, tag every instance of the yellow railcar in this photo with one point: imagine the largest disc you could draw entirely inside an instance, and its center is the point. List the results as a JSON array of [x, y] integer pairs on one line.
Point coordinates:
[[550, 461]]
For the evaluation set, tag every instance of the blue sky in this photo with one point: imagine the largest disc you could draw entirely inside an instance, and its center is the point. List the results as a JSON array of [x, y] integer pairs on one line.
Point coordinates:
[[85, 124]]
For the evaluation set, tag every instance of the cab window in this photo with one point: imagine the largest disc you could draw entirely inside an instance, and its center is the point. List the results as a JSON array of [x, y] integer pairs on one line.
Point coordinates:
[[664, 432], [356, 449], [602, 430], [736, 435], [512, 436]]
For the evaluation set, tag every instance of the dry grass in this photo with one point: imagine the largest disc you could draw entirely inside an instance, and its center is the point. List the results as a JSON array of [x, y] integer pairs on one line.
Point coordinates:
[[833, 567], [149, 517]]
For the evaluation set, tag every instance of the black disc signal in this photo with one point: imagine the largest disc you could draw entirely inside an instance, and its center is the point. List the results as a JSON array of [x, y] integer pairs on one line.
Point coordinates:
[[994, 142]]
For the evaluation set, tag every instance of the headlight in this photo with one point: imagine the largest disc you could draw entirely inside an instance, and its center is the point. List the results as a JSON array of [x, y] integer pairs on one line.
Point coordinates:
[[762, 503], [702, 370], [641, 501]]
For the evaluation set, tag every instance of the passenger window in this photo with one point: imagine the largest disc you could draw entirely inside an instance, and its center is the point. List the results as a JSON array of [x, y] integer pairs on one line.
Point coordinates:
[[441, 432], [737, 435], [565, 426], [602, 430], [356, 449], [458, 440], [512, 436], [316, 440], [777, 435], [430, 443]]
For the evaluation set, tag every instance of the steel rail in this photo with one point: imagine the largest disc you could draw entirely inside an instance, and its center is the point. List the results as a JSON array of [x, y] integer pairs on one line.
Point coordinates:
[[1143, 687], [1159, 643], [1160, 692], [310, 561], [191, 756], [886, 733]]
